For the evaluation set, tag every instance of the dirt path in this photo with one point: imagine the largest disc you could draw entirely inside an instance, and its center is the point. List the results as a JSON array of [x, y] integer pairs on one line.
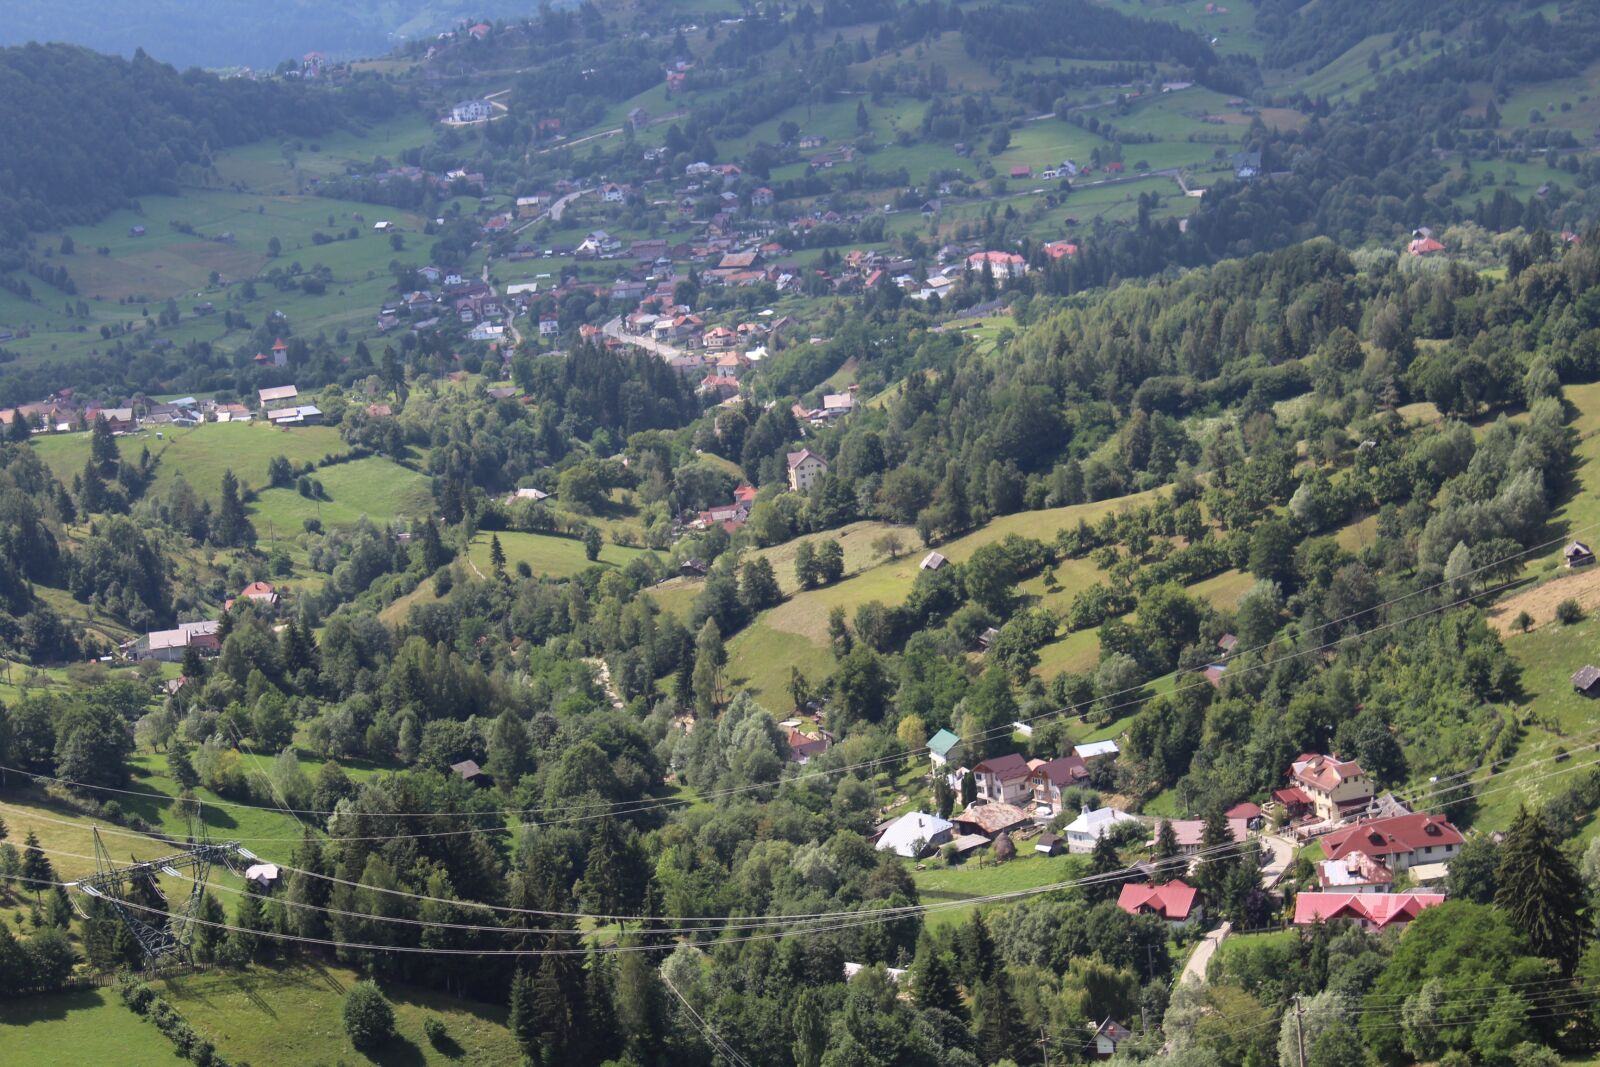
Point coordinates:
[[1540, 601]]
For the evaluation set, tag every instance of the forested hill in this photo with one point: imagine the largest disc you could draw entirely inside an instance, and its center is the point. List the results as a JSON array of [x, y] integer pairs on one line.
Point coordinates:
[[83, 132]]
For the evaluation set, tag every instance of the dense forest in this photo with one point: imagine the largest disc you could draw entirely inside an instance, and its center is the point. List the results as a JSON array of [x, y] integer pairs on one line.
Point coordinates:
[[89, 132]]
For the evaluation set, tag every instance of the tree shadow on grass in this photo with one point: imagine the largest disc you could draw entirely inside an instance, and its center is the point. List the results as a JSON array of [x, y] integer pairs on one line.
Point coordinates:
[[398, 1051]]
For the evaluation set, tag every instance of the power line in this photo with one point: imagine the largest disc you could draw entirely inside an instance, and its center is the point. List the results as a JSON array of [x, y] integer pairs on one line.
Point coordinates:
[[622, 808]]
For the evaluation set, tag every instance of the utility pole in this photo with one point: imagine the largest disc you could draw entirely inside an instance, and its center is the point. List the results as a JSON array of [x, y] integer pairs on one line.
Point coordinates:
[[1299, 1033]]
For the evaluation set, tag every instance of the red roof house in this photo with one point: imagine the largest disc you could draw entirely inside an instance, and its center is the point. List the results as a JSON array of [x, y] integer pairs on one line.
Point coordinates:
[[1176, 901], [1374, 911], [1424, 246], [1401, 841]]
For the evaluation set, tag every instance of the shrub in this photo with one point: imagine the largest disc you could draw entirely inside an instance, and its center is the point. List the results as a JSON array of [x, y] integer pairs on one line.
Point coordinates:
[[368, 1018], [1568, 612], [433, 1029]]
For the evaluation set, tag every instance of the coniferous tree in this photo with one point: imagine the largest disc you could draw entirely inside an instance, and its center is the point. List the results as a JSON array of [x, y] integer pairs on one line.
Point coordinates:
[[497, 557], [1104, 865], [208, 932], [709, 656], [997, 1021], [231, 528], [1541, 891], [1165, 851], [934, 982], [523, 1021], [976, 950], [1218, 857], [36, 866], [434, 555], [305, 892]]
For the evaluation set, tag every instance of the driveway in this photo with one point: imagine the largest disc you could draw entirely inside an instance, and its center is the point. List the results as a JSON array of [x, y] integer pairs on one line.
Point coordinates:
[[1282, 855], [1200, 958]]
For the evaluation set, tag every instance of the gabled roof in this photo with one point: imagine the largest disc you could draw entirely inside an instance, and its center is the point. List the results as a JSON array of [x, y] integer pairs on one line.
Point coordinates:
[[942, 742], [932, 562], [1174, 900], [1585, 677], [466, 768], [1007, 768], [992, 818], [910, 828], [1388, 837], [797, 458], [1380, 909], [1096, 748], [1061, 771], [1094, 822], [1325, 772]]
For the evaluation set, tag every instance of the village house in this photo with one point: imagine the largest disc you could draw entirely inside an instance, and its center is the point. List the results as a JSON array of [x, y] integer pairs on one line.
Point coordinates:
[[802, 747], [1089, 826], [471, 112], [1190, 832], [1060, 249], [990, 820], [1578, 554], [1002, 265], [612, 193], [914, 834], [1047, 779], [1370, 911], [118, 420], [469, 771], [549, 324], [1400, 841], [1424, 246], [168, 646], [261, 594], [1357, 872], [806, 469], [1176, 901], [1003, 780], [1107, 1036], [1336, 788], [300, 415], [944, 748]]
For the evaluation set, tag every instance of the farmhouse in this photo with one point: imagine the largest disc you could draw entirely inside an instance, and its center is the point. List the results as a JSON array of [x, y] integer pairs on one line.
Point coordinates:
[[943, 748], [992, 819], [277, 394], [1089, 826], [1578, 554], [168, 646], [259, 593], [914, 833], [1107, 1036], [806, 469], [119, 420], [301, 415]]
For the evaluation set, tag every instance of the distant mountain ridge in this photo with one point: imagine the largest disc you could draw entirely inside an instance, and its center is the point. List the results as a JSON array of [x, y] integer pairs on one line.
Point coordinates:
[[229, 33]]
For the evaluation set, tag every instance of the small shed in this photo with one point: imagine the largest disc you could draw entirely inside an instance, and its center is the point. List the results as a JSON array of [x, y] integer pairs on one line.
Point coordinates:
[[932, 562], [1578, 554], [1050, 845], [988, 637], [1586, 680], [467, 770]]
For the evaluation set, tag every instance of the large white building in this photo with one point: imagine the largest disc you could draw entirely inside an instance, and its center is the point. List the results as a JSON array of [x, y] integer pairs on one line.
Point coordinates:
[[472, 111]]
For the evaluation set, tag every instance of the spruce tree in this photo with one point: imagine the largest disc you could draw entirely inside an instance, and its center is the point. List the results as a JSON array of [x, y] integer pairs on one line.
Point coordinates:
[[998, 1022], [231, 528], [1541, 892], [497, 557], [709, 656], [976, 950], [1104, 865], [934, 984], [1218, 857], [35, 865], [523, 1021], [1166, 850]]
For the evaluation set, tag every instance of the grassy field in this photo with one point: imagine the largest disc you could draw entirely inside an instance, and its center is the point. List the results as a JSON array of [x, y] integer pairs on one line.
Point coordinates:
[[376, 487], [86, 1026], [67, 837], [202, 453], [291, 1014], [547, 554], [980, 875]]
